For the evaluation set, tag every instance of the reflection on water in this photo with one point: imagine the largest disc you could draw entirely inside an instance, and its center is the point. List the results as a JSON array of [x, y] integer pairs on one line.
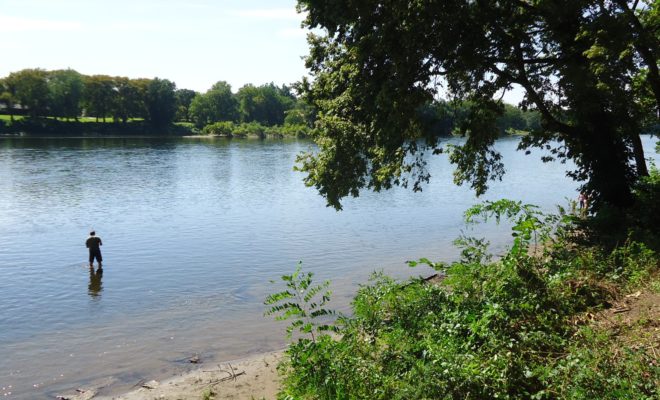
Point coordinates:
[[194, 231], [95, 285]]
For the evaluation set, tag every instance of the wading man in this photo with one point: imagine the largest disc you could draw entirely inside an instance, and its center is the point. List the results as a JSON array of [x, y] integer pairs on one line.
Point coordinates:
[[94, 244]]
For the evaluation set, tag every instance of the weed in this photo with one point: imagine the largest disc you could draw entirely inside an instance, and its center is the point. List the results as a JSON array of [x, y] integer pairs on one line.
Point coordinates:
[[208, 394]]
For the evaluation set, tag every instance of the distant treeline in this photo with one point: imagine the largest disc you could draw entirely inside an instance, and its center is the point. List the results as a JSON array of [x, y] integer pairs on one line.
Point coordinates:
[[54, 101], [69, 95], [443, 118]]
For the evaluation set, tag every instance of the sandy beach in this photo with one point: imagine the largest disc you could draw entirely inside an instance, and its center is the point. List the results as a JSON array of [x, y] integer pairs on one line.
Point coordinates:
[[255, 377]]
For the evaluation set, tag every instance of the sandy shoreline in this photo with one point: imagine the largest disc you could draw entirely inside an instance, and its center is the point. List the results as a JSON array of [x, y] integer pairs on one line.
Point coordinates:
[[254, 377]]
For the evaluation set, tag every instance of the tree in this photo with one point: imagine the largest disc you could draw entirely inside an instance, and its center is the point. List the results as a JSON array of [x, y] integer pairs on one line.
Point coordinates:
[[576, 60], [511, 118], [129, 101], [266, 104], [139, 108], [300, 114], [160, 102], [217, 104], [8, 96], [436, 118], [183, 99], [65, 93], [30, 90], [99, 95]]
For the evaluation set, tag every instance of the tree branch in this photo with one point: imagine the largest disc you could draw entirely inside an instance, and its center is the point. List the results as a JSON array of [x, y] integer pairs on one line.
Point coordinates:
[[645, 47], [540, 60], [521, 79]]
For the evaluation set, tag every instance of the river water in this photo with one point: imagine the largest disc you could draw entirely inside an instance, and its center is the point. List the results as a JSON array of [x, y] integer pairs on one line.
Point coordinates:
[[193, 232]]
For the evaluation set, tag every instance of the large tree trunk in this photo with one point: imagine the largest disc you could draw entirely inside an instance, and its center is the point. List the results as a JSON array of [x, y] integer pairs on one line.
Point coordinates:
[[646, 45], [638, 151], [605, 155]]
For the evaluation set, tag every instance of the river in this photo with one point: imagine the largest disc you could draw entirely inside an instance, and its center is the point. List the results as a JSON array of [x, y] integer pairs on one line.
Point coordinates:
[[194, 230]]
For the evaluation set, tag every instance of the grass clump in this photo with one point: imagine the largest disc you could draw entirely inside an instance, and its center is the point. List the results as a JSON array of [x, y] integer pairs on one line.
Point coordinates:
[[208, 394], [510, 328]]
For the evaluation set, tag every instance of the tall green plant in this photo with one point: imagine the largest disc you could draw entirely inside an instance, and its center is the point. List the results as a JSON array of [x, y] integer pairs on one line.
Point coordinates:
[[301, 304], [530, 225], [308, 368]]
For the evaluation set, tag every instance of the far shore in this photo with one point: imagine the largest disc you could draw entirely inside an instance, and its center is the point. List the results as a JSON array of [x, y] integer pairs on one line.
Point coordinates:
[[141, 136]]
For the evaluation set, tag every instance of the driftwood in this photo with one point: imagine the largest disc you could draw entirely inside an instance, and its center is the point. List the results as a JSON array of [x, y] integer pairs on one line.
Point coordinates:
[[140, 383], [232, 376], [226, 378]]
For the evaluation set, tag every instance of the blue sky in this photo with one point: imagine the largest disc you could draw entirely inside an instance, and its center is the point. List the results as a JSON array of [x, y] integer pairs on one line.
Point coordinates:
[[194, 43]]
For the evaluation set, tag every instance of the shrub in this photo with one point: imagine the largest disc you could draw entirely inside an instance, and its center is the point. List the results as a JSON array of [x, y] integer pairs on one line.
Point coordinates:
[[246, 129], [222, 128], [250, 129], [492, 329]]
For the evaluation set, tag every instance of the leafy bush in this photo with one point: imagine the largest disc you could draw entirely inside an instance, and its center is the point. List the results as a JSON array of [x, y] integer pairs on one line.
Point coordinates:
[[223, 128], [246, 129], [492, 329], [298, 131]]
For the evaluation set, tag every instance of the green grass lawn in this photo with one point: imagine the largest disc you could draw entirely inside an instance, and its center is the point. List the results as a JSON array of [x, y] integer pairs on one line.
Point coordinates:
[[7, 117], [107, 119]]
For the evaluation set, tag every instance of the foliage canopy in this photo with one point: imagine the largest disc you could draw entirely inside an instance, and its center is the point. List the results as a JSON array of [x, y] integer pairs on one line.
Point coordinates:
[[590, 68]]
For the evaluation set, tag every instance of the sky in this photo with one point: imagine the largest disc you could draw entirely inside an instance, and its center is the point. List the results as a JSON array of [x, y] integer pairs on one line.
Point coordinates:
[[193, 43]]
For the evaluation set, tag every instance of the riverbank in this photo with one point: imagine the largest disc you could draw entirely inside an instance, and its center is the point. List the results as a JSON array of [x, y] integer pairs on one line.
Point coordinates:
[[53, 127], [255, 377], [631, 322], [85, 127]]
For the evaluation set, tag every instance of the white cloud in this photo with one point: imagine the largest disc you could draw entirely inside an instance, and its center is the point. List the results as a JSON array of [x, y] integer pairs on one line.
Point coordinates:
[[16, 24], [270, 14]]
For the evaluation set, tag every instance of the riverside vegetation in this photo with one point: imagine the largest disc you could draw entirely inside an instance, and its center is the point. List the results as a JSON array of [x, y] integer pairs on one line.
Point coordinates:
[[545, 324], [65, 102], [523, 325]]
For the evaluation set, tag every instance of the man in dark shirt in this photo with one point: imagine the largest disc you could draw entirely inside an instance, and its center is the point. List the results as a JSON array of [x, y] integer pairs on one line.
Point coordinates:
[[94, 244]]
